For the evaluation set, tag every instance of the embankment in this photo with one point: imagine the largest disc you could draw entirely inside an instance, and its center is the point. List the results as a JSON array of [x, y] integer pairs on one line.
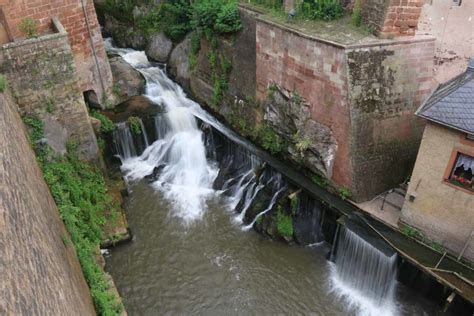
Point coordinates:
[[40, 271]]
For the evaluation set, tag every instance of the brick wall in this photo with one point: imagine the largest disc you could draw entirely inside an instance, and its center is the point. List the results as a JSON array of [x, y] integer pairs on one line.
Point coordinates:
[[41, 274], [387, 84], [317, 71], [71, 15], [391, 17], [366, 94], [42, 77]]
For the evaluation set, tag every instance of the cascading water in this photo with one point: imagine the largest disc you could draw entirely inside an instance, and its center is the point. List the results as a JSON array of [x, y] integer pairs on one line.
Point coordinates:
[[126, 145], [364, 276]]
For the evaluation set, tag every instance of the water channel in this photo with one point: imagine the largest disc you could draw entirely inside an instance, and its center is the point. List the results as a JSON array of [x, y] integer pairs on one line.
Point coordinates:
[[193, 254]]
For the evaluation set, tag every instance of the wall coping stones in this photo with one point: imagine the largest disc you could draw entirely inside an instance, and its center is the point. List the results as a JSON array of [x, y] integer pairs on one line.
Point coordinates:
[[58, 27], [372, 43]]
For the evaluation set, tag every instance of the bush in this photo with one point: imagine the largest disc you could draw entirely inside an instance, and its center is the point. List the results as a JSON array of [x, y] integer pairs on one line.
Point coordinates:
[[135, 125], [326, 10], [284, 224], [173, 18], [28, 27], [3, 83], [269, 140], [344, 193], [228, 19], [106, 125]]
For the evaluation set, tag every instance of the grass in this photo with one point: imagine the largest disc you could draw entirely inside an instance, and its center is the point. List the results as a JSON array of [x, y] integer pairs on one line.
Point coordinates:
[[3, 83], [106, 125], [80, 193]]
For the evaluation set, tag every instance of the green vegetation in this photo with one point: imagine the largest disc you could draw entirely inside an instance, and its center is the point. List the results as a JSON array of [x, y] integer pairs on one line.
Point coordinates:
[[106, 125], [326, 10], [302, 143], [28, 27], [356, 14], [294, 203], [320, 181], [3, 83], [50, 105], [269, 140], [284, 223], [411, 232], [80, 193], [135, 125], [116, 90], [272, 89], [418, 235], [344, 193], [120, 9]]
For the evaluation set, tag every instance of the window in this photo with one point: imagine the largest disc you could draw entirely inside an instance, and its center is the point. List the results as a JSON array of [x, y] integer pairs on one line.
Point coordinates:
[[461, 174], [456, 3]]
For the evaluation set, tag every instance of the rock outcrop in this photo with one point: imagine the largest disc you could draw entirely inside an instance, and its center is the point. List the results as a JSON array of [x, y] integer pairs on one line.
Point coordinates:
[[128, 82], [178, 63], [159, 48]]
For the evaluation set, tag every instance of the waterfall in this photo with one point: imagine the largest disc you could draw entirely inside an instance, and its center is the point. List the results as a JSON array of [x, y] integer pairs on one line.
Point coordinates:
[[364, 276], [123, 141]]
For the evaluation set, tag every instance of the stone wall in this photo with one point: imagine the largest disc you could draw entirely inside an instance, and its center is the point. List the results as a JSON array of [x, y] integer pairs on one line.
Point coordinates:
[[391, 17], [40, 272], [316, 70], [366, 94], [45, 83], [435, 198], [387, 83], [71, 15]]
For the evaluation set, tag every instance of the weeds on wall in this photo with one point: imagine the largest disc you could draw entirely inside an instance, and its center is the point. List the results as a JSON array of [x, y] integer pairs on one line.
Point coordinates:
[[344, 193], [3, 83], [356, 14], [284, 223], [28, 27], [106, 125], [80, 193], [135, 125]]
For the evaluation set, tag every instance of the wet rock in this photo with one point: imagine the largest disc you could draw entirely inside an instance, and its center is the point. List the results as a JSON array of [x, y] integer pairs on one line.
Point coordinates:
[[95, 124], [138, 106], [178, 63], [306, 223], [159, 48], [128, 81]]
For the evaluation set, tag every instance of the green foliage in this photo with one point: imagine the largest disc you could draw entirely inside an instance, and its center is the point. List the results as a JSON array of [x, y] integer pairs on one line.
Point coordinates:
[[195, 48], [135, 125], [106, 125], [320, 181], [228, 19], [50, 105], [259, 220], [302, 143], [284, 224], [269, 140], [411, 232], [173, 18], [356, 14], [119, 9], [80, 193], [326, 10], [294, 203], [344, 193], [3, 83], [28, 27], [272, 89], [116, 90]]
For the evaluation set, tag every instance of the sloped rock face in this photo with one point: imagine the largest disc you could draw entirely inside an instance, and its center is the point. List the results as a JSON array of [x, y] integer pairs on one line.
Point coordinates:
[[312, 143], [159, 48], [128, 81]]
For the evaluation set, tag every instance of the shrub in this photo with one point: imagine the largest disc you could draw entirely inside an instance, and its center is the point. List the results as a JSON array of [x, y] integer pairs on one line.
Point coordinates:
[[228, 19], [344, 193], [269, 140], [28, 27], [3, 83], [284, 224], [174, 19], [326, 10], [106, 125]]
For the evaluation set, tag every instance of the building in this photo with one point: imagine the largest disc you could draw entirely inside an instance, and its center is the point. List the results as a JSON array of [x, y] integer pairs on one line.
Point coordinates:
[[440, 197], [80, 22]]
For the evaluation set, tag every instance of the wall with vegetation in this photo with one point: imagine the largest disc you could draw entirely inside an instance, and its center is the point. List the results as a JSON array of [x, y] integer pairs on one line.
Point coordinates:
[[45, 83], [40, 272], [440, 210], [72, 16]]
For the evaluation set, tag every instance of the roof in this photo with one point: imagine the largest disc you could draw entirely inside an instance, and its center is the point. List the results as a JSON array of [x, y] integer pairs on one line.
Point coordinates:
[[452, 104]]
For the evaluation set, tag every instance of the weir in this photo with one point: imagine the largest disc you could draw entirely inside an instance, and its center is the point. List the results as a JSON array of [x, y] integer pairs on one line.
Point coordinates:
[[193, 159]]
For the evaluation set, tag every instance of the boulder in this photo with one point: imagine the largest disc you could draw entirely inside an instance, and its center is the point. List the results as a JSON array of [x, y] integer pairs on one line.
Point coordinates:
[[138, 106], [178, 63], [124, 35], [159, 48], [128, 81]]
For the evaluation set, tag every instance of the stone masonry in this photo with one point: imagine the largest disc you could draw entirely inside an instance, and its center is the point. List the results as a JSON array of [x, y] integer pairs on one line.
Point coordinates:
[[40, 272], [42, 77], [71, 14], [365, 93]]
